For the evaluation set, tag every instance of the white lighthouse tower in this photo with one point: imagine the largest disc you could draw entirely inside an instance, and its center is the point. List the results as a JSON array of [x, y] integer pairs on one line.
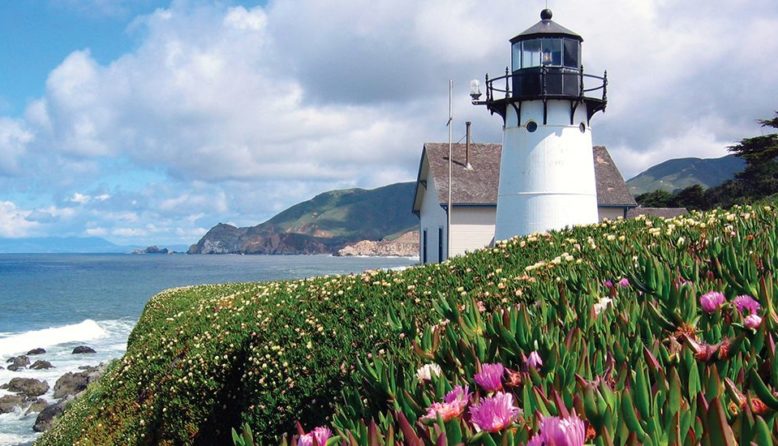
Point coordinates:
[[546, 102]]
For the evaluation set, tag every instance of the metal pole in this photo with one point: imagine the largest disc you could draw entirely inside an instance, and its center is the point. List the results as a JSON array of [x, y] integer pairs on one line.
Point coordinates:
[[450, 155]]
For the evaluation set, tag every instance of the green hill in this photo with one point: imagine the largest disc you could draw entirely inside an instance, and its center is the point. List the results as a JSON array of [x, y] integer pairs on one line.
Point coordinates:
[[322, 224], [651, 359], [676, 174]]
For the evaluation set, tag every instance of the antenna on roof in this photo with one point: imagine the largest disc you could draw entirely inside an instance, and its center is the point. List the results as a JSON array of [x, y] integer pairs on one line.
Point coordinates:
[[448, 209]]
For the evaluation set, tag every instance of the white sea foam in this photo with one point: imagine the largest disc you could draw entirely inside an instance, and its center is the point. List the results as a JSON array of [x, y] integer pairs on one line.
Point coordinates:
[[85, 331], [108, 338]]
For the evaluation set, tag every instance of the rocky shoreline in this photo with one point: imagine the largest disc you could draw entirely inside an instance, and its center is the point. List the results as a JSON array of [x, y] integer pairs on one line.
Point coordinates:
[[406, 245], [24, 394]]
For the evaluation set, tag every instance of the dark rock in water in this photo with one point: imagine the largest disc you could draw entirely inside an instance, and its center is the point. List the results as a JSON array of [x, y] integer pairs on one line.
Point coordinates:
[[29, 387], [37, 406], [71, 384], [36, 351], [18, 362], [83, 349], [40, 364], [152, 250], [49, 415], [9, 402]]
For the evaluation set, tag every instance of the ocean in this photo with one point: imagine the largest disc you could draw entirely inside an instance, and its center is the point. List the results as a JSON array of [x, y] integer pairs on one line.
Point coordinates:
[[59, 301]]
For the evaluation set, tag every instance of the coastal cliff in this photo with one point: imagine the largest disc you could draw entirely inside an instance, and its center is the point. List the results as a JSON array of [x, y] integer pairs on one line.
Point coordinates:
[[406, 245], [322, 225]]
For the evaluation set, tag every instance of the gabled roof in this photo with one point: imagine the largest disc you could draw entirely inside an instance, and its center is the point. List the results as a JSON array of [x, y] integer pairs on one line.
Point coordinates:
[[478, 186], [611, 188]]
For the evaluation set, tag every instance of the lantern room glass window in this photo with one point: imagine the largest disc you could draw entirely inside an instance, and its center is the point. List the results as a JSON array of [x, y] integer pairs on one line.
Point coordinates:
[[552, 52], [531, 53], [546, 51], [572, 52]]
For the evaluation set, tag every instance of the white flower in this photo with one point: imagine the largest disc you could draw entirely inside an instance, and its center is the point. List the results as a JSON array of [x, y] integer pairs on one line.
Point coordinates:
[[600, 306], [427, 371]]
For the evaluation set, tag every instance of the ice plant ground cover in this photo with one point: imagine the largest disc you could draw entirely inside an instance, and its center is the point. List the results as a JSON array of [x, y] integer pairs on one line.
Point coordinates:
[[650, 366]]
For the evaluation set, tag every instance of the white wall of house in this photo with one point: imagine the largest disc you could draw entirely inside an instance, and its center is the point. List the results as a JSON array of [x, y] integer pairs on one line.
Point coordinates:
[[472, 228], [432, 218], [610, 213]]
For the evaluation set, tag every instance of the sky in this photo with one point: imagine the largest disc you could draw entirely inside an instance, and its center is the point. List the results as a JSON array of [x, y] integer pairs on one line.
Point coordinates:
[[149, 121]]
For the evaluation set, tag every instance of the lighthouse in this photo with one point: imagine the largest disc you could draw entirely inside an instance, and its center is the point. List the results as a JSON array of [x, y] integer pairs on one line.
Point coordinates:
[[547, 103]]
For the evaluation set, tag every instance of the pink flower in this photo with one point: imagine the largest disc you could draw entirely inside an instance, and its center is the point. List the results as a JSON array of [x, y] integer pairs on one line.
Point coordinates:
[[753, 321], [555, 431], [711, 301], [534, 361], [453, 405], [607, 284], [321, 434], [490, 377], [495, 413], [746, 302], [623, 283]]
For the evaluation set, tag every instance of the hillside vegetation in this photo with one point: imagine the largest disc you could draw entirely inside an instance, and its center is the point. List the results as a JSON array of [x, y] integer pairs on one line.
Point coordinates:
[[676, 174], [757, 180], [644, 363], [323, 224]]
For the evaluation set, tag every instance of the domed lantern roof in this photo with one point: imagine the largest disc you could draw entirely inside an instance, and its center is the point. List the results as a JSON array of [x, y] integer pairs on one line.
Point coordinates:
[[546, 28]]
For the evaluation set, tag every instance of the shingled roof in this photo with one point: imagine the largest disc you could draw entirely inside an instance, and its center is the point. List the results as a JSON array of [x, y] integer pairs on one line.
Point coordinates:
[[478, 185], [474, 186], [611, 188]]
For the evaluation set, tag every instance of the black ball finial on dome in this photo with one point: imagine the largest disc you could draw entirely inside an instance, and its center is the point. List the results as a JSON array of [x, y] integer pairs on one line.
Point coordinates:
[[546, 14]]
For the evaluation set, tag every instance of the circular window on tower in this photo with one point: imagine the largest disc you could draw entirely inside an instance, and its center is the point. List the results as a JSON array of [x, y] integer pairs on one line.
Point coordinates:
[[582, 128], [532, 126]]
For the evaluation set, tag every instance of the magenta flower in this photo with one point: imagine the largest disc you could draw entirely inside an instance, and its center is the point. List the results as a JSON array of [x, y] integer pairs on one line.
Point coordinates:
[[711, 301], [607, 284], [321, 434], [555, 431], [495, 413], [534, 361], [746, 302], [490, 377], [753, 321], [453, 405], [623, 283]]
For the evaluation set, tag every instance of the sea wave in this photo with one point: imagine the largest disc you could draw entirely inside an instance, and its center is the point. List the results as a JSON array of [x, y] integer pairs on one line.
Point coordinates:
[[85, 331]]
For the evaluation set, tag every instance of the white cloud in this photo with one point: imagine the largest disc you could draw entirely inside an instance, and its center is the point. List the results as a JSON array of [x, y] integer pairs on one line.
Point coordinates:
[[14, 139], [96, 231], [80, 198], [245, 111], [14, 222]]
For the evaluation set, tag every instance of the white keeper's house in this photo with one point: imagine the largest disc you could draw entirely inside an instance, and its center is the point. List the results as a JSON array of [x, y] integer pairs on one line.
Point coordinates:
[[474, 196]]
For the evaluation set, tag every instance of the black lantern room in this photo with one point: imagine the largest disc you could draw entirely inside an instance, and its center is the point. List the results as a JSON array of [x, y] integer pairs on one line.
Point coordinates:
[[546, 52], [545, 64]]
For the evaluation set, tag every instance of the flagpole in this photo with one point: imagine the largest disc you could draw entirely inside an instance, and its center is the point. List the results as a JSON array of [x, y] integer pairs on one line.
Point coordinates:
[[448, 213]]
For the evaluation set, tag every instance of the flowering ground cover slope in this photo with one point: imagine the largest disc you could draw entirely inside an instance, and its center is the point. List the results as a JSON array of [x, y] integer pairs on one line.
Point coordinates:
[[205, 359], [657, 335]]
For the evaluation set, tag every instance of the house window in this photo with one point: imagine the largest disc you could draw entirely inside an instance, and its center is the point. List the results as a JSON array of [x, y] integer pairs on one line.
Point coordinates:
[[440, 244], [424, 246]]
